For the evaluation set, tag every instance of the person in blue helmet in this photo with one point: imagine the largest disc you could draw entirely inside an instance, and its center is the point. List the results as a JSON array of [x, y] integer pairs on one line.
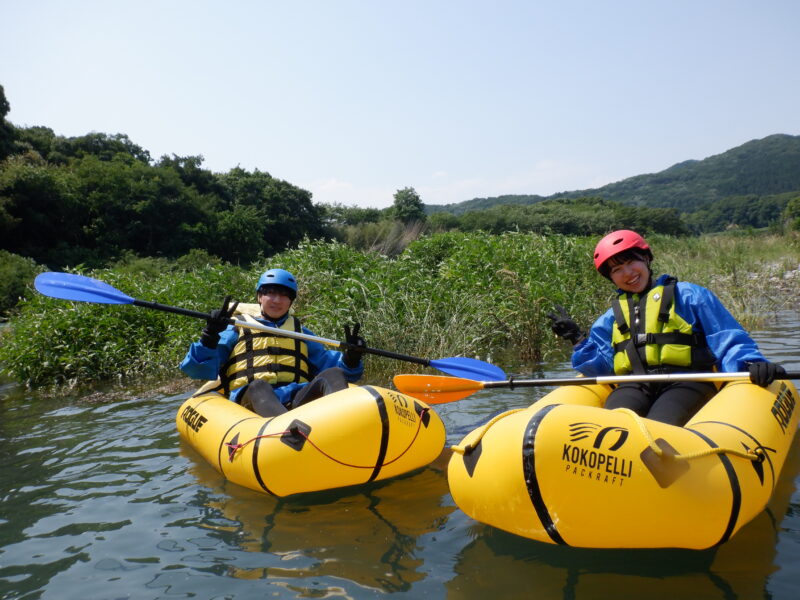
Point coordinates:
[[268, 373], [659, 325]]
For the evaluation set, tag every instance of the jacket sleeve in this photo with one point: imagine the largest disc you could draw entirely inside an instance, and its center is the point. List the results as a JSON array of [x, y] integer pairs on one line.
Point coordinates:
[[594, 356], [322, 359], [204, 363], [727, 339]]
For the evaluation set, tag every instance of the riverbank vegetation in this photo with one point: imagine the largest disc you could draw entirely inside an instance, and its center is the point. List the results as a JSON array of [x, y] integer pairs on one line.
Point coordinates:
[[449, 294]]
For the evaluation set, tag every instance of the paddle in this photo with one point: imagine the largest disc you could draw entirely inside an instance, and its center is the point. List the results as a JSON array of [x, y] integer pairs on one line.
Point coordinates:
[[68, 286], [435, 389]]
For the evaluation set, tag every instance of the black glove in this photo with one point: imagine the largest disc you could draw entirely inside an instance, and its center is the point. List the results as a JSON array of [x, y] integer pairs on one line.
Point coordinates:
[[352, 356], [563, 326], [216, 323], [764, 373]]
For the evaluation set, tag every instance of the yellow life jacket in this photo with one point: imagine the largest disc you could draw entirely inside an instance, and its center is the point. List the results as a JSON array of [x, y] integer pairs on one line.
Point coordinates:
[[656, 339], [261, 355]]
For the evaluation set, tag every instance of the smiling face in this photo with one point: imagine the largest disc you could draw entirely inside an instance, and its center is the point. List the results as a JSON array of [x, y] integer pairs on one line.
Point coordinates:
[[275, 301], [630, 274]]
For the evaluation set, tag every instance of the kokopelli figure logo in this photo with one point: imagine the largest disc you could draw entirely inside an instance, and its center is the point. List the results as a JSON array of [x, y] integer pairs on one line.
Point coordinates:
[[581, 431]]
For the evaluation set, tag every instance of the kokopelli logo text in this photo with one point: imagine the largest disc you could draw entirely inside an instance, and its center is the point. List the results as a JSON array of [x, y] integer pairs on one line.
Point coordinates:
[[403, 409], [591, 453]]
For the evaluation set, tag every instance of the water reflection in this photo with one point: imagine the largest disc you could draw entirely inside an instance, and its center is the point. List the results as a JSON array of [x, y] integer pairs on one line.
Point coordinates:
[[369, 536]]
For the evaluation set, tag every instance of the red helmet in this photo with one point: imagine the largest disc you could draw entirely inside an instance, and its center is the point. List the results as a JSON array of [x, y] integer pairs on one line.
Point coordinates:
[[616, 242]]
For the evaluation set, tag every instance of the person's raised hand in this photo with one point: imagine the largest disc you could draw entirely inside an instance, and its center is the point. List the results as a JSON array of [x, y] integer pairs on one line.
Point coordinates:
[[352, 355], [216, 323], [564, 326]]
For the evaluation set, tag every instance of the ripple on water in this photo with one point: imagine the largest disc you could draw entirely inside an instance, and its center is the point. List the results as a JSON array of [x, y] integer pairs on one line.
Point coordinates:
[[99, 500]]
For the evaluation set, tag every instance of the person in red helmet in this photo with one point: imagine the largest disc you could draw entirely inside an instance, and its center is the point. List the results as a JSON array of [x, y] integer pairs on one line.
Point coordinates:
[[659, 325]]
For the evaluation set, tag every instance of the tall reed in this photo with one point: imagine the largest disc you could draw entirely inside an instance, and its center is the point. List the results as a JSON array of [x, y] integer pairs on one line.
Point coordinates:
[[450, 294]]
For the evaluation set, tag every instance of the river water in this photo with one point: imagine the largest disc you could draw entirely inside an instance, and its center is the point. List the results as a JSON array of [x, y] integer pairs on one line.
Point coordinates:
[[100, 500]]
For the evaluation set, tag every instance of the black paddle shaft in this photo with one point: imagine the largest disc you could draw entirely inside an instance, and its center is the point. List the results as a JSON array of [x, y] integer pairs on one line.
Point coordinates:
[[172, 309]]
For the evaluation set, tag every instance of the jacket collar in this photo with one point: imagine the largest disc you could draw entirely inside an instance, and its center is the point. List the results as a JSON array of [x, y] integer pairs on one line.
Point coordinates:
[[273, 323]]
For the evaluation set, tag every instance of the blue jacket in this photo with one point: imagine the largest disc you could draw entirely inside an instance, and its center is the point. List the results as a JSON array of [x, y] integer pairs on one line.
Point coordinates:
[[201, 362], [731, 344]]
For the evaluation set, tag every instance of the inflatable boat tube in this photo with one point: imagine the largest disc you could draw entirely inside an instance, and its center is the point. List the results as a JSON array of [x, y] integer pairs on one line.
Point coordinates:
[[351, 437], [568, 471]]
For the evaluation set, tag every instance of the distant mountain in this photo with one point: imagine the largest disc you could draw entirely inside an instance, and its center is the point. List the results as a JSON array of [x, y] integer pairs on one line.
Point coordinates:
[[760, 167]]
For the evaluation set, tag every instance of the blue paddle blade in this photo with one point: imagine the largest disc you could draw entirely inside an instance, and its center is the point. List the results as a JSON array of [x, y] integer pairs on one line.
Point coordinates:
[[69, 286], [469, 368]]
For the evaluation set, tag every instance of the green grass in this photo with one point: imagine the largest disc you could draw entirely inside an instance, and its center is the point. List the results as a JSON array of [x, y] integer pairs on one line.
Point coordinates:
[[450, 294]]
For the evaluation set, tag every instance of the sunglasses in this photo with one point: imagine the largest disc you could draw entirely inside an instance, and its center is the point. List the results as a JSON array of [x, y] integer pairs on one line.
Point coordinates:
[[275, 290]]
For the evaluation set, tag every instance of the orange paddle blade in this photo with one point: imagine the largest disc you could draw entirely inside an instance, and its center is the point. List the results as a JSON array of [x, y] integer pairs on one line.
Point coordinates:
[[436, 389]]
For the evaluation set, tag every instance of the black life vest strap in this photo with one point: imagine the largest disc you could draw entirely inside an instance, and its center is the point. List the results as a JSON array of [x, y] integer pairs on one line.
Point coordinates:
[[247, 336], [297, 348], [673, 337], [251, 372], [667, 298], [638, 364], [622, 324], [250, 369], [278, 351]]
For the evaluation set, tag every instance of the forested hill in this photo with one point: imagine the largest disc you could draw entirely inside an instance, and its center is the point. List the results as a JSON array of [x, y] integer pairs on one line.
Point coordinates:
[[764, 167]]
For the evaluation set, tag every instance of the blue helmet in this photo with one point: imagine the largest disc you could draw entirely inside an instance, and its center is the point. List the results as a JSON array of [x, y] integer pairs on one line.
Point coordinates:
[[278, 277]]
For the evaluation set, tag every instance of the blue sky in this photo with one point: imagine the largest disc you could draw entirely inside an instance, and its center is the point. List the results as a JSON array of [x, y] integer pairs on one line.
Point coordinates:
[[354, 99]]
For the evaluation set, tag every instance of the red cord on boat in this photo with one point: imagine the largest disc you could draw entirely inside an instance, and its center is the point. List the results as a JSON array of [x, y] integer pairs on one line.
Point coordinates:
[[234, 448]]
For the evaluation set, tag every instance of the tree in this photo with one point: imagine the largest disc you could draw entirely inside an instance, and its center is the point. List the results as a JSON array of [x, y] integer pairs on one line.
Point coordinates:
[[6, 129], [285, 211], [40, 213], [38, 139], [442, 221], [102, 145], [338, 214], [133, 206], [191, 172], [245, 225], [408, 206], [791, 214]]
